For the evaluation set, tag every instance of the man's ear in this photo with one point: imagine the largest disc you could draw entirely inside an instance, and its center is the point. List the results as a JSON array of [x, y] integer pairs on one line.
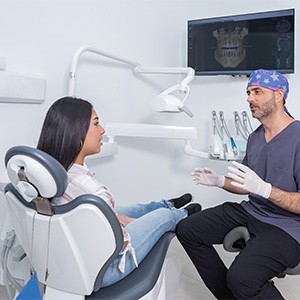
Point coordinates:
[[280, 93]]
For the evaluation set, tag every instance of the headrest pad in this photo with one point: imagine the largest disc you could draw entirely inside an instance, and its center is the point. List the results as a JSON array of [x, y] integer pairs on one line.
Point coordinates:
[[45, 175]]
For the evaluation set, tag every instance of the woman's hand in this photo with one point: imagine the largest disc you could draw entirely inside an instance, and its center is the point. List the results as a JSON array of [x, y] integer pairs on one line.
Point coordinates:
[[124, 220]]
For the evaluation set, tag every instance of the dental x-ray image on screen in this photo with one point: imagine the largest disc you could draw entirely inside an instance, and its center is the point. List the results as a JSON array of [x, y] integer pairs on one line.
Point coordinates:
[[237, 45]]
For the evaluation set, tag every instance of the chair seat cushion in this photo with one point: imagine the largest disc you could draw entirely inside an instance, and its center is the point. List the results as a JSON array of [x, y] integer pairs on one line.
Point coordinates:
[[142, 279]]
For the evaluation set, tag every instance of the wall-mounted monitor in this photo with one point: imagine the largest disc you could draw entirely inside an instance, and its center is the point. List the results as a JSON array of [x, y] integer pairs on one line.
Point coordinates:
[[239, 44]]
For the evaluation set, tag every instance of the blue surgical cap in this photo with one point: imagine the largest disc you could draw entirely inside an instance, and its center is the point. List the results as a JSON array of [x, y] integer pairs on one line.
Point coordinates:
[[270, 79]]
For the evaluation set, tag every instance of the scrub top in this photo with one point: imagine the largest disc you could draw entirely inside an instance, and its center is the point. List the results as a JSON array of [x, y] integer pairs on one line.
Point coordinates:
[[278, 163]]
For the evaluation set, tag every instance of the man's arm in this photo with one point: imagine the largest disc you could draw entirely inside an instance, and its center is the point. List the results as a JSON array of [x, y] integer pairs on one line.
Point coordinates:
[[244, 178], [286, 200]]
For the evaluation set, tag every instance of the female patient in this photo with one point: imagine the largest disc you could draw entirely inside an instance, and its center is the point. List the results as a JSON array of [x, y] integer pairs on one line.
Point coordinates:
[[71, 131]]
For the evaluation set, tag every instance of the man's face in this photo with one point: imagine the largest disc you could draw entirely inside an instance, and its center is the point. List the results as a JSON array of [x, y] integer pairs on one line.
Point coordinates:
[[262, 102]]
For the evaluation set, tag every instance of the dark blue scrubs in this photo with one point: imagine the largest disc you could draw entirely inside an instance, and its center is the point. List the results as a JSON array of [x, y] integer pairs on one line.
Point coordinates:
[[276, 162], [275, 232]]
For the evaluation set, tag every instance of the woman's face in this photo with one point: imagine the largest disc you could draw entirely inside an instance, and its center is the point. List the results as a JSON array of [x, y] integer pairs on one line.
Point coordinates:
[[92, 143]]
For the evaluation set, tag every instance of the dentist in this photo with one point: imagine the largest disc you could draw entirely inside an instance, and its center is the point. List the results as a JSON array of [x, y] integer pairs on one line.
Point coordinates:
[[270, 175]]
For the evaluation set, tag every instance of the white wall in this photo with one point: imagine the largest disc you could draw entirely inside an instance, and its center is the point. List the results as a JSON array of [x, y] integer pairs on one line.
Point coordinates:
[[40, 37]]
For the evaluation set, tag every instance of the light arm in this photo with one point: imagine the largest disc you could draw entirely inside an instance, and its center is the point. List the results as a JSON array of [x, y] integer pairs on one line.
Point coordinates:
[[183, 86], [76, 57], [137, 68]]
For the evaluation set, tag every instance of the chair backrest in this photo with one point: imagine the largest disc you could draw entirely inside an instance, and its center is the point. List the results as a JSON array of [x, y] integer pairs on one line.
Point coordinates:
[[69, 246]]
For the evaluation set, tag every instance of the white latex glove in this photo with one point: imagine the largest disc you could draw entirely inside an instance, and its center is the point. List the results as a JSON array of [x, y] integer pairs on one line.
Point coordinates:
[[208, 177], [248, 180]]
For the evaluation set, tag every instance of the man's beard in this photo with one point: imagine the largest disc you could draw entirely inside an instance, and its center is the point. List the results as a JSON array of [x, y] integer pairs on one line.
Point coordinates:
[[265, 109]]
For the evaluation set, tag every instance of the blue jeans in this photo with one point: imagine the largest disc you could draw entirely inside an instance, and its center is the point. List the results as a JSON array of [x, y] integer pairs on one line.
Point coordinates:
[[152, 221]]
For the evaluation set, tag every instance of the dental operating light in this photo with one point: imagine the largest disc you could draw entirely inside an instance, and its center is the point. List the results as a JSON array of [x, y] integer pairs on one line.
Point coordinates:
[[170, 103], [165, 102]]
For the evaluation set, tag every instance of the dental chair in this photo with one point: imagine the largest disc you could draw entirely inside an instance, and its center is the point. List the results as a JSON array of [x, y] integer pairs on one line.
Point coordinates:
[[71, 246], [236, 239]]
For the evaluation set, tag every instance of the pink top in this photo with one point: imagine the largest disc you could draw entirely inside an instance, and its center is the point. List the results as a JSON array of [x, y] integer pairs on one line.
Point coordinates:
[[82, 181]]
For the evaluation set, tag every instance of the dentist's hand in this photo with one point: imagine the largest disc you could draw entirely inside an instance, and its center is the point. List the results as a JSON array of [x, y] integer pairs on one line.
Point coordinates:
[[248, 180], [208, 177]]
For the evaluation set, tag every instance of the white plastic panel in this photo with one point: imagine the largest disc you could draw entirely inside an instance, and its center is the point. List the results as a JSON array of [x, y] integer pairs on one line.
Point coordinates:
[[151, 131], [21, 88]]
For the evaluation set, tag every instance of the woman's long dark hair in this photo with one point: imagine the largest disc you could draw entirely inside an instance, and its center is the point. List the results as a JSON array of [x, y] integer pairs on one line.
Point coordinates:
[[65, 128]]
